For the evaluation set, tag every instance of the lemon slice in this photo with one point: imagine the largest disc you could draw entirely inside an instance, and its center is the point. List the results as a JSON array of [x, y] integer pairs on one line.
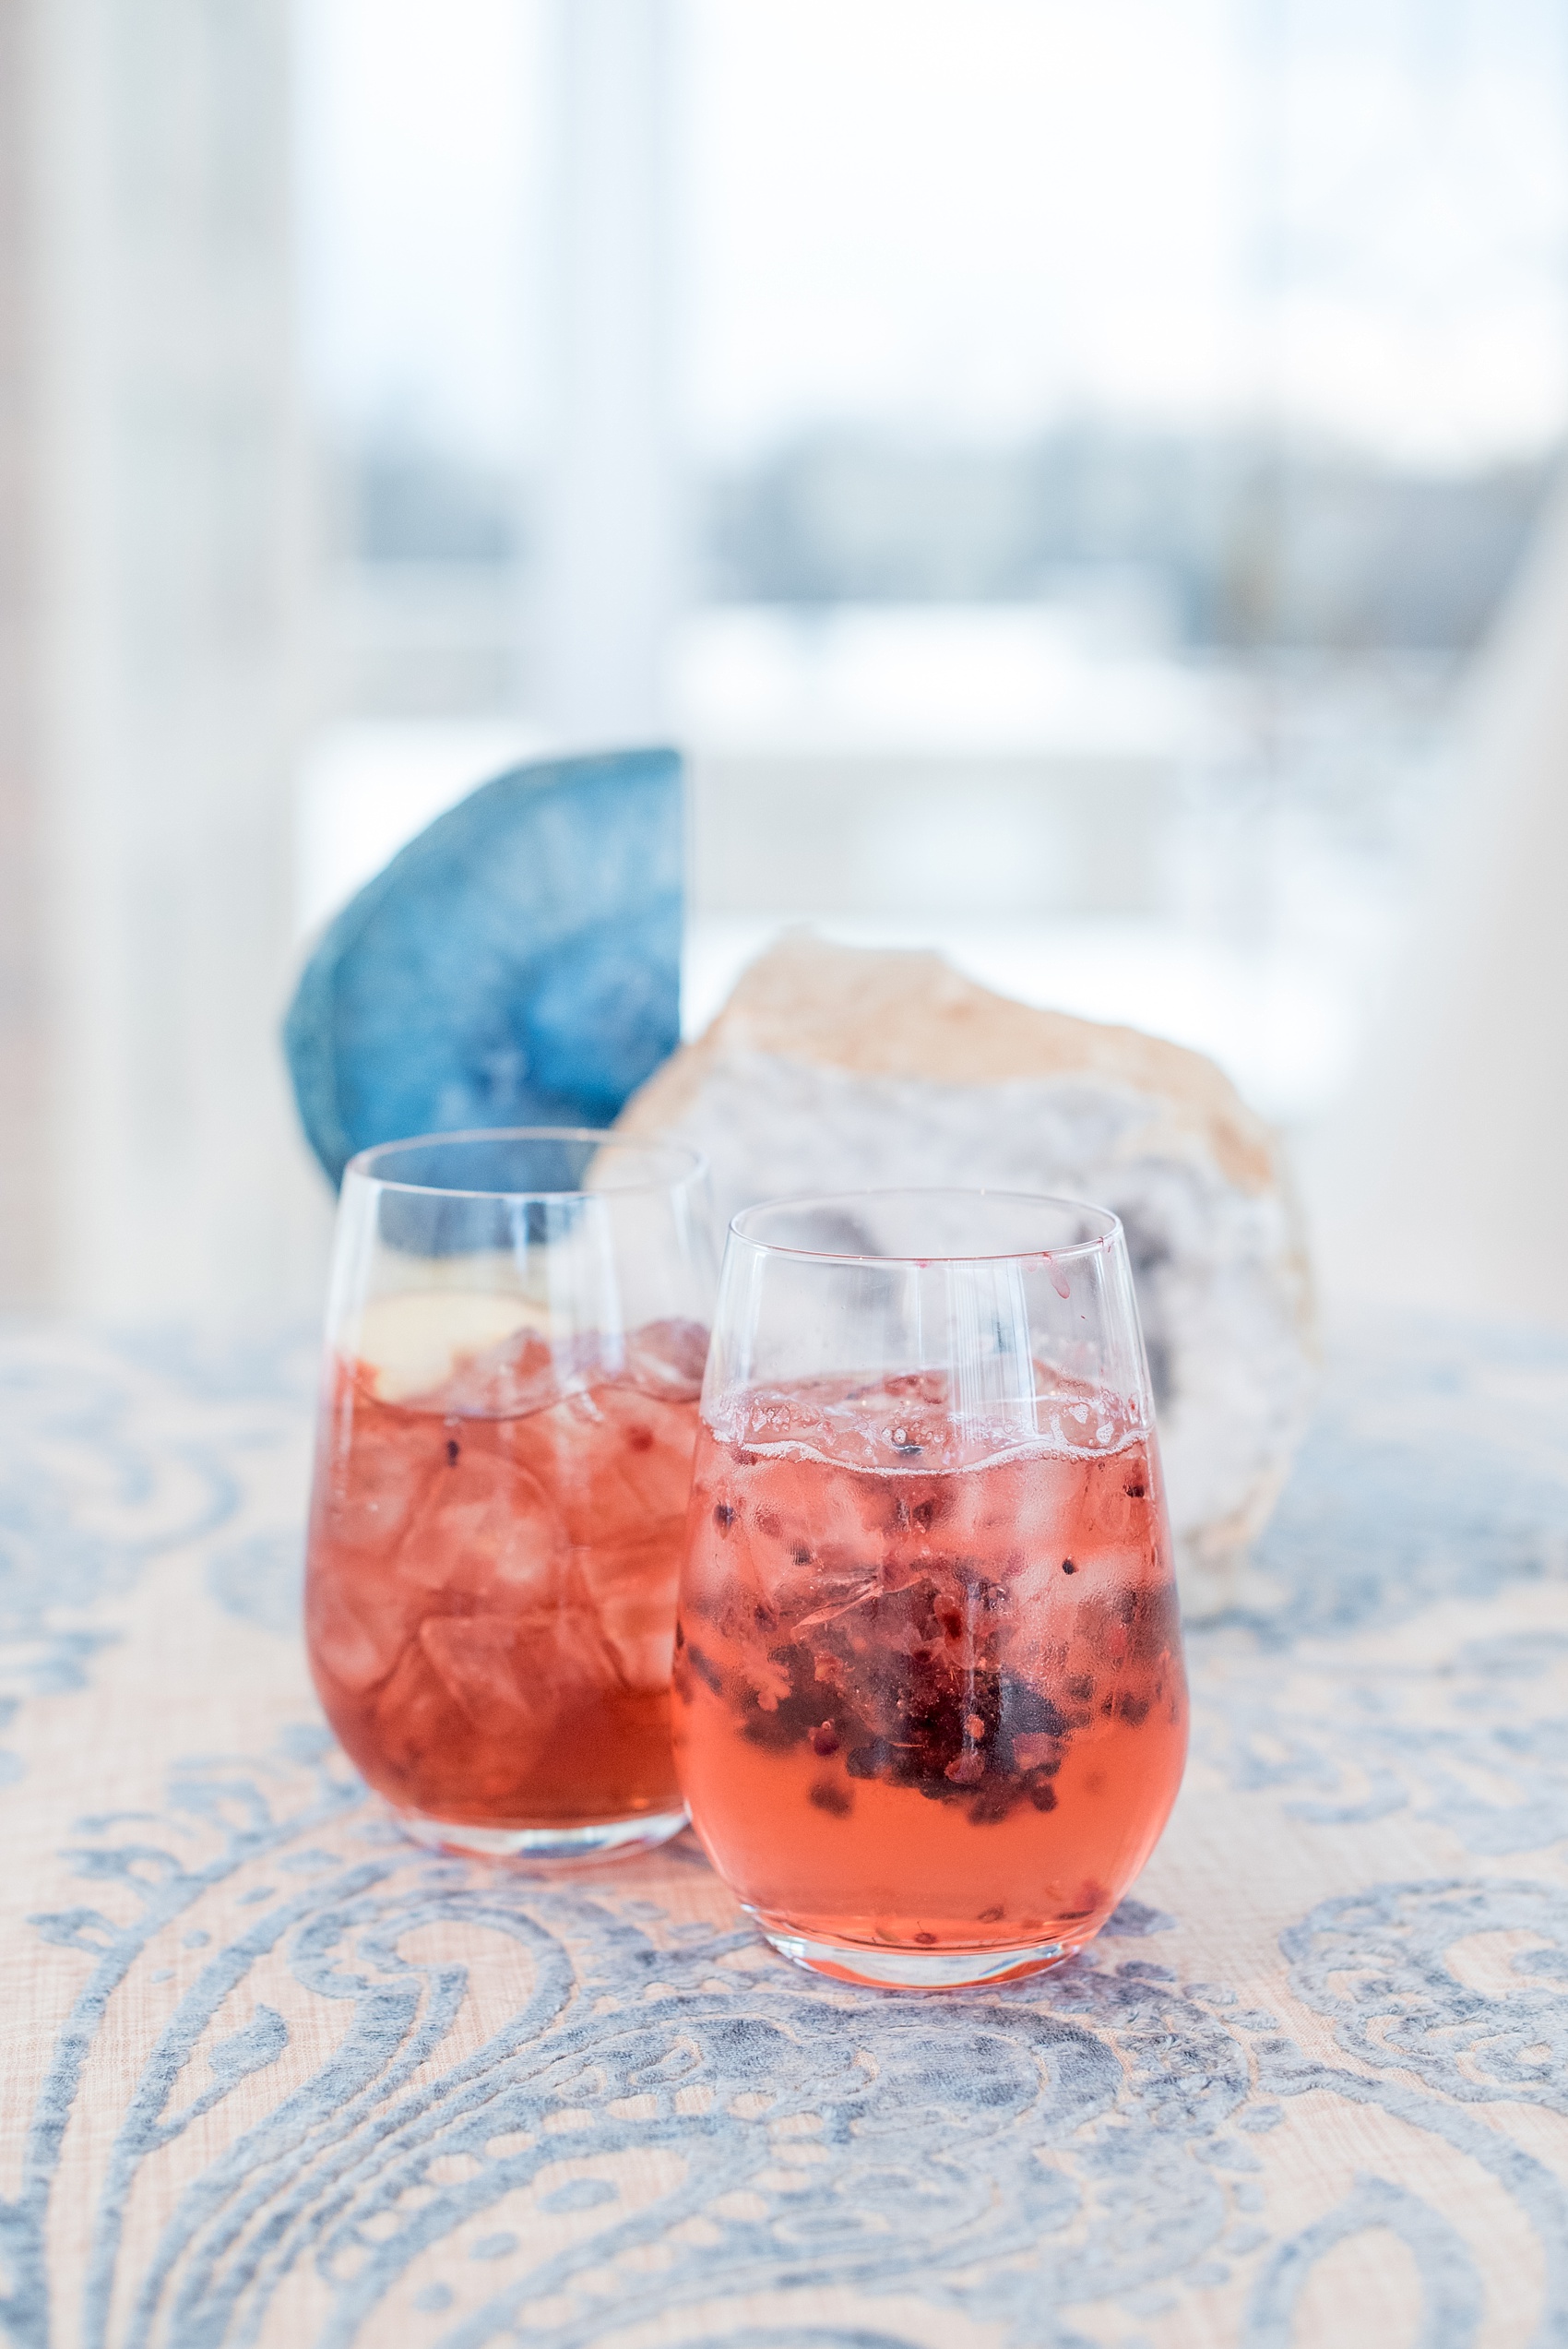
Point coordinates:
[[413, 1343]]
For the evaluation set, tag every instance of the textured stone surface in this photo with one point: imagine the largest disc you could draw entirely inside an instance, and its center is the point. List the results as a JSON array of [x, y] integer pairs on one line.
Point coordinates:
[[831, 1069], [518, 963]]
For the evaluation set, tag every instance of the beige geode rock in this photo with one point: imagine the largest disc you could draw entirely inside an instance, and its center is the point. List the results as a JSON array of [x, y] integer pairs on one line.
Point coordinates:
[[831, 1069]]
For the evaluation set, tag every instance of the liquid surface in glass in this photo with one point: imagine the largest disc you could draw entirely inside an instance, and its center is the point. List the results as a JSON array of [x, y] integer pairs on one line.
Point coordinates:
[[929, 1682], [491, 1586]]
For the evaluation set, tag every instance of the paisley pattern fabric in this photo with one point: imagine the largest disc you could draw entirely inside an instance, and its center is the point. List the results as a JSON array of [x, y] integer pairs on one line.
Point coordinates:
[[269, 2075]]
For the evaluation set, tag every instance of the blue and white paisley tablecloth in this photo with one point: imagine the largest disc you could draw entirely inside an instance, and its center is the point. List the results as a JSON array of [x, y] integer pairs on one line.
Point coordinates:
[[272, 2076]]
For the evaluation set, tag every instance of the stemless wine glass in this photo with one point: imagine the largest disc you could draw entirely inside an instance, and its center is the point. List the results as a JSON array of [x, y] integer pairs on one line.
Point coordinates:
[[931, 1710], [514, 1353]]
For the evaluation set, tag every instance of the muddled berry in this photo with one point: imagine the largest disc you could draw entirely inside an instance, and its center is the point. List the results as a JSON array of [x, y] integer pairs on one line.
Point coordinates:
[[779, 1722], [906, 1644], [828, 1796], [1029, 1713], [979, 1590], [993, 1803], [454, 1450], [1153, 1622], [708, 1674], [724, 1517]]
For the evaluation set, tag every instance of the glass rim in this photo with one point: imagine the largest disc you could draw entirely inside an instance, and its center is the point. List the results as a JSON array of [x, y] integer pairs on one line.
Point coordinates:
[[1103, 1240], [603, 1137]]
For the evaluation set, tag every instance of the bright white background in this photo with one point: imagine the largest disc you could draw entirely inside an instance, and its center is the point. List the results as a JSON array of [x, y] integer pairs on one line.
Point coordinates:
[[977, 221]]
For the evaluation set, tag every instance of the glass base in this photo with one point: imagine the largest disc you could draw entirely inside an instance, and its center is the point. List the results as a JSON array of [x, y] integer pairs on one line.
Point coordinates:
[[611, 1840], [913, 1969]]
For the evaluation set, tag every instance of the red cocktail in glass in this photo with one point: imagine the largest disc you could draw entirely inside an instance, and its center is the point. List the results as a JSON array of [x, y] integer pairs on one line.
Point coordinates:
[[931, 1710], [495, 1536], [492, 1597]]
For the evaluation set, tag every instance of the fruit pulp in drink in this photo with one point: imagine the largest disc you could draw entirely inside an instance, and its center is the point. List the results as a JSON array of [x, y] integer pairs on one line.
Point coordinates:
[[929, 1684], [490, 1577]]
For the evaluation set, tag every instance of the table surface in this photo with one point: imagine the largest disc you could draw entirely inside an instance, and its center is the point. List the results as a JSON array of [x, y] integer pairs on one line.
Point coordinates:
[[271, 2075]]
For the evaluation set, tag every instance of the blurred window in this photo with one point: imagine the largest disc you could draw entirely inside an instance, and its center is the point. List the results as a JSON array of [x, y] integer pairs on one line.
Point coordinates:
[[1101, 436]]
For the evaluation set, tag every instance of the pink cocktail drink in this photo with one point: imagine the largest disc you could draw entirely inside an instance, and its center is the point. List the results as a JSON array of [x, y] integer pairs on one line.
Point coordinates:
[[929, 1682], [490, 1584]]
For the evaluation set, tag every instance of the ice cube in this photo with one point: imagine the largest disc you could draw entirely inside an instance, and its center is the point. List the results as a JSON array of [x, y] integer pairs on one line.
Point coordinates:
[[570, 1654], [486, 1525], [524, 1373], [615, 1459], [491, 1666], [666, 1358], [424, 1736], [411, 1344], [796, 1531], [629, 1590], [374, 1479], [355, 1642]]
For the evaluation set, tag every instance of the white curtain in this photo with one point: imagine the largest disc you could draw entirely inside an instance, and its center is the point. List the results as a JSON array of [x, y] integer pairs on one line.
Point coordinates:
[[1443, 1183], [170, 626]]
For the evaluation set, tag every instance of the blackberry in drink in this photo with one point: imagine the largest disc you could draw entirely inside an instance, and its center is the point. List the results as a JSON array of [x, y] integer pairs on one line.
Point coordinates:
[[931, 1712], [925, 1699]]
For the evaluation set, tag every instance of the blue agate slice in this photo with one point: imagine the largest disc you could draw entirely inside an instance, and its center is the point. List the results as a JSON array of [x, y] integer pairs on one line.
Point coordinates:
[[518, 963]]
